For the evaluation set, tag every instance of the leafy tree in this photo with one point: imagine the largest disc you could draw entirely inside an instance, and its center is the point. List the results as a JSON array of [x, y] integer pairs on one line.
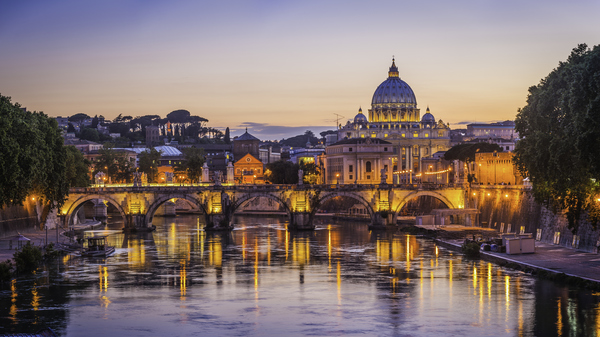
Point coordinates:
[[148, 163], [301, 140], [31, 156], [310, 172], [178, 116], [95, 122], [466, 152], [559, 129], [89, 134], [114, 164], [71, 128], [77, 170], [78, 118], [282, 172], [192, 163]]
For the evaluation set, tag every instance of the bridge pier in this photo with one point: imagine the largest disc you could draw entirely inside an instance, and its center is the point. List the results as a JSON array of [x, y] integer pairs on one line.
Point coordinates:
[[381, 220], [217, 222], [137, 223], [301, 221]]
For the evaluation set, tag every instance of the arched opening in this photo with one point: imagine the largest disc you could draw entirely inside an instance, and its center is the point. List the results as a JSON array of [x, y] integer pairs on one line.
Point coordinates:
[[344, 206], [172, 205], [421, 205], [260, 204], [368, 167], [95, 211]]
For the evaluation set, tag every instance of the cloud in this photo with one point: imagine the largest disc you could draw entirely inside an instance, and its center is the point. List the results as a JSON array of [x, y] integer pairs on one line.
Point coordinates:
[[265, 131]]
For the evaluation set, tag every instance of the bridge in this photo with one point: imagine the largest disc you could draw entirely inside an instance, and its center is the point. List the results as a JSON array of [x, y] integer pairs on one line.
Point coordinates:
[[138, 205]]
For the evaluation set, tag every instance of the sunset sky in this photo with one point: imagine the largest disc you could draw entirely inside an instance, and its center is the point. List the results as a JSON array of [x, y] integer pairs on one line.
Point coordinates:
[[282, 67]]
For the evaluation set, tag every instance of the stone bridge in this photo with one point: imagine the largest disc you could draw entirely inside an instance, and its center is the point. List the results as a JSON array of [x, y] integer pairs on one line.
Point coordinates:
[[138, 205]]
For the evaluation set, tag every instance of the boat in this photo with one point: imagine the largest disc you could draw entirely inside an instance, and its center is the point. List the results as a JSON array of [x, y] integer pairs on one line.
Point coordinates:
[[97, 247]]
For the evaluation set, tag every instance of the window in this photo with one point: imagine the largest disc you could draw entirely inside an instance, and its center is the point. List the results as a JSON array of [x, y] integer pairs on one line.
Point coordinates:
[[441, 134], [368, 166], [403, 135], [426, 135], [415, 134], [385, 135], [362, 136], [350, 176], [350, 167], [385, 149], [350, 150], [373, 135]]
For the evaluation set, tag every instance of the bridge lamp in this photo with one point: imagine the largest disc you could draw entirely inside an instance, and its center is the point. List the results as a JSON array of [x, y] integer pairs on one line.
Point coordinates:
[[506, 195]]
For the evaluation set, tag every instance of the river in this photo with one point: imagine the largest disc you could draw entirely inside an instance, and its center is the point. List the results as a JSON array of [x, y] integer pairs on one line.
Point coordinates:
[[262, 280]]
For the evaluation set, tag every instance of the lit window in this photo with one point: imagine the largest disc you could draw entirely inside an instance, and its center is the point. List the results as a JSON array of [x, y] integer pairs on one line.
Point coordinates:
[[415, 134], [373, 135], [403, 135], [362, 136], [426, 135], [385, 135]]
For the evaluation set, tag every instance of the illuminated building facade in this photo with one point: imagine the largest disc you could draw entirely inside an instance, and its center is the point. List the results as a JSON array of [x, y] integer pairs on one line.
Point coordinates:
[[395, 118], [494, 168]]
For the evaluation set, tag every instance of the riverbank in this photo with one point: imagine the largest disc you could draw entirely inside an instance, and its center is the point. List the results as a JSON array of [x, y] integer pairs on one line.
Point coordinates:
[[549, 261]]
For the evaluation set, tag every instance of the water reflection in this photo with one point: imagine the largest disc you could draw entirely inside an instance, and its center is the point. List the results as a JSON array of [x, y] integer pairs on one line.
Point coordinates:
[[340, 279]]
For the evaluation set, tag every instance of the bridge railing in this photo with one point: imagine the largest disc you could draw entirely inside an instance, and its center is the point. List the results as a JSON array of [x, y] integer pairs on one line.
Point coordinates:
[[256, 187]]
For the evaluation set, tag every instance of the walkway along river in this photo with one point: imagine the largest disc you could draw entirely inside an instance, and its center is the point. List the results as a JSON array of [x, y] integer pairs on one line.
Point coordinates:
[[263, 280]]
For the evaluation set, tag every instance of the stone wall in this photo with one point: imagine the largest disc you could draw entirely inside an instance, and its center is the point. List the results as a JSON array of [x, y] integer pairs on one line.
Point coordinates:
[[515, 205], [18, 219]]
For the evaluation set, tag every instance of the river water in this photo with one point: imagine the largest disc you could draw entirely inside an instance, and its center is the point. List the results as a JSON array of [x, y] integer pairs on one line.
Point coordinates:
[[262, 280]]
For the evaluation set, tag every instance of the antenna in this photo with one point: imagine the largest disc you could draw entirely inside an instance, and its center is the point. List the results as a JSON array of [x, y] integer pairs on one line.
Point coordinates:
[[337, 120]]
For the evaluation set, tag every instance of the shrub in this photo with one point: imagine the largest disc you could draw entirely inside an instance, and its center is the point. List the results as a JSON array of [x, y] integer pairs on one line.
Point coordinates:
[[50, 253], [5, 271], [28, 259], [470, 249]]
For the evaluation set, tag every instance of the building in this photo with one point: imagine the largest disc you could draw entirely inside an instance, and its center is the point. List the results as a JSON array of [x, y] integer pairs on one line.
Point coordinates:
[[152, 135], [395, 118], [496, 168], [357, 161], [505, 130], [249, 170], [246, 144]]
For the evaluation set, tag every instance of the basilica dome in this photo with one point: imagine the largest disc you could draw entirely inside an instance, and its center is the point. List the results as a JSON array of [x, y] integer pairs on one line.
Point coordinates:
[[394, 91], [360, 117], [428, 117]]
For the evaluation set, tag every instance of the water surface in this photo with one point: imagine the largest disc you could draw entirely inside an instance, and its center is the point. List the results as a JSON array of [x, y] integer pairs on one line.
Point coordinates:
[[262, 280]]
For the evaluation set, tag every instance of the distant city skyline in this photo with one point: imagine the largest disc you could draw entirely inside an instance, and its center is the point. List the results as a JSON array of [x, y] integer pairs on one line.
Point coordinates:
[[281, 67]]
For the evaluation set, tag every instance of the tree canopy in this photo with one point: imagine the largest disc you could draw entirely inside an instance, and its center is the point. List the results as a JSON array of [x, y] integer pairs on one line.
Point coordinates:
[[32, 156], [148, 163], [282, 172], [466, 152], [559, 129], [192, 165]]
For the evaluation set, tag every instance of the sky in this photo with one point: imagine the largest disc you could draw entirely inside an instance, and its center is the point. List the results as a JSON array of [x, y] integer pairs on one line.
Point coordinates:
[[282, 67]]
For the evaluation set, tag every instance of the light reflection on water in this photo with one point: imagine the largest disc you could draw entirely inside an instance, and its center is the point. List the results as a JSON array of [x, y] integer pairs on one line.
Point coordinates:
[[261, 279]]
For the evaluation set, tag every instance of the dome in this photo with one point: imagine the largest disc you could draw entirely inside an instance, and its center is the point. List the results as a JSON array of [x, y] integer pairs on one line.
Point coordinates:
[[360, 118], [428, 117], [394, 90]]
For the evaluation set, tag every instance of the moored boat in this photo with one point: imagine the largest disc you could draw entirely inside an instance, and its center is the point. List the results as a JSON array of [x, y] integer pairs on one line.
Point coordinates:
[[97, 247]]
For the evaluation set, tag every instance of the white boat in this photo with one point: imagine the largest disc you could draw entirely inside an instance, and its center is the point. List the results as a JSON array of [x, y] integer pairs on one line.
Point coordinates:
[[97, 247]]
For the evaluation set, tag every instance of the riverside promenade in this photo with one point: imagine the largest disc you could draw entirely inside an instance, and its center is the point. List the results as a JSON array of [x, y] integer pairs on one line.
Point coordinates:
[[547, 257]]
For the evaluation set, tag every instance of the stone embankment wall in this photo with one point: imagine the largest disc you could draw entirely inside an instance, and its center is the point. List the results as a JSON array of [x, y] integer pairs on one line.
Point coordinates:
[[514, 205], [18, 219]]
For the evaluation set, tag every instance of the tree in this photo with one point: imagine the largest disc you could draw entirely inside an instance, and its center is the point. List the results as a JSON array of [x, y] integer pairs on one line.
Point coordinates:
[[77, 168], [114, 164], [227, 137], [282, 172], [78, 118], [31, 156], [71, 128], [559, 129], [95, 122], [192, 163], [310, 172], [148, 163], [89, 134]]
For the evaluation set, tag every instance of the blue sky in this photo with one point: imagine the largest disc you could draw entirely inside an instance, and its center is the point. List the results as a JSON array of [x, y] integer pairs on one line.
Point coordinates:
[[289, 64]]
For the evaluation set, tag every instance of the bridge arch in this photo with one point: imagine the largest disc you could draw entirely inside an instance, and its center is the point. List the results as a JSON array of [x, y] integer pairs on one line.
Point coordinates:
[[85, 198], [240, 200], [417, 194], [355, 196], [161, 200]]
